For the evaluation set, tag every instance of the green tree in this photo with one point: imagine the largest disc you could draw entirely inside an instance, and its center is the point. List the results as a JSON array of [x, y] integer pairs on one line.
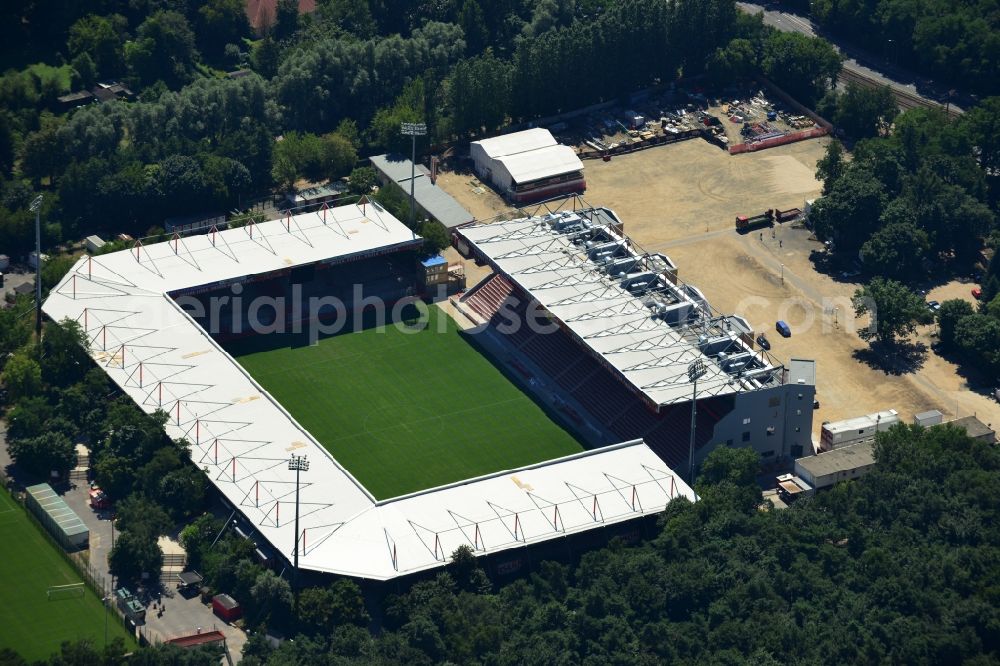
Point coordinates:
[[99, 38], [64, 356], [831, 166], [272, 597], [218, 23], [284, 172], [978, 336], [28, 417], [134, 554], [436, 237], [951, 312], [164, 49], [894, 311], [739, 466], [48, 452], [286, 20], [734, 62], [22, 376], [43, 154], [896, 250], [84, 71], [15, 329], [141, 515], [474, 28], [851, 210], [339, 155], [353, 16], [362, 180], [198, 535], [323, 608], [265, 56], [805, 66], [479, 92], [865, 112]]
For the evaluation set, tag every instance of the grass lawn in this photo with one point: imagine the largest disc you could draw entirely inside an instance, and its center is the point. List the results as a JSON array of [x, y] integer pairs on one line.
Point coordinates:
[[29, 564], [408, 411], [61, 77]]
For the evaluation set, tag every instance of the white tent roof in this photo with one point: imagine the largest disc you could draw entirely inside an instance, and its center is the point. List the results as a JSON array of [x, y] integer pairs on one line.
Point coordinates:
[[541, 163], [516, 142], [162, 359]]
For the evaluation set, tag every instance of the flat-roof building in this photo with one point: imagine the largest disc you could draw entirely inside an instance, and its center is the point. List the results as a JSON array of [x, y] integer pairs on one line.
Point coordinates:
[[430, 199], [825, 469], [528, 166], [835, 434], [60, 520]]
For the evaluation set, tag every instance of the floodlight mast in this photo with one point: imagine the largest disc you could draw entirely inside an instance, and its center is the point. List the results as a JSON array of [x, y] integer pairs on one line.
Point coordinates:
[[36, 206], [695, 370], [413, 130], [297, 464]]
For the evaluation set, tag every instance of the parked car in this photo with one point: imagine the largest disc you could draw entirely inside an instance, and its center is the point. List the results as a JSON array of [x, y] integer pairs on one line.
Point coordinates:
[[977, 293], [782, 328], [934, 306], [763, 341]]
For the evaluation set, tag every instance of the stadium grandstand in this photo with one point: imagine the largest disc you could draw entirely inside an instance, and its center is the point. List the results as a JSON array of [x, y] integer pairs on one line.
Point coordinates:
[[617, 336], [127, 305]]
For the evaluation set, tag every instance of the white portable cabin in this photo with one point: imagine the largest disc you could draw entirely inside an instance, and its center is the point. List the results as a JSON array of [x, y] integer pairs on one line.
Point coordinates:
[[836, 434]]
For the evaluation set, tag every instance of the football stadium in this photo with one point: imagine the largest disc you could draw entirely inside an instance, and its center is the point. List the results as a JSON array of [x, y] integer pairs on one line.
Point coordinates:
[[582, 375]]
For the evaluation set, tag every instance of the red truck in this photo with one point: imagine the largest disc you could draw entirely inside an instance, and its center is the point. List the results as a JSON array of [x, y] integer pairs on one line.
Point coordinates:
[[765, 219]]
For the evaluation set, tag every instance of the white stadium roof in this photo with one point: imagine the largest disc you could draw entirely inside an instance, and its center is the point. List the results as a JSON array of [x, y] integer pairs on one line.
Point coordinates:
[[161, 358], [652, 355], [541, 163], [516, 142]]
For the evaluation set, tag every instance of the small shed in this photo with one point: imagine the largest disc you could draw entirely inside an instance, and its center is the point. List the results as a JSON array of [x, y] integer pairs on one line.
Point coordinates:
[[188, 580], [94, 243], [226, 607], [928, 418], [60, 520], [841, 464]]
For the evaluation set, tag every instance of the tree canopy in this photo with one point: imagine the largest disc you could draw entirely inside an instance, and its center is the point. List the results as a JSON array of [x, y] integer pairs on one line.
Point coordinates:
[[893, 310]]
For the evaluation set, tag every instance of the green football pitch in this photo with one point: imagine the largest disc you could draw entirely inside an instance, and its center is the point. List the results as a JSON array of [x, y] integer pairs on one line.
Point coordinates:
[[405, 411], [30, 623]]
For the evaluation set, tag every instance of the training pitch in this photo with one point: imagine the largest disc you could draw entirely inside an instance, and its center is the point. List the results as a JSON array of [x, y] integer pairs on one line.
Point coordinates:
[[406, 411], [30, 623]]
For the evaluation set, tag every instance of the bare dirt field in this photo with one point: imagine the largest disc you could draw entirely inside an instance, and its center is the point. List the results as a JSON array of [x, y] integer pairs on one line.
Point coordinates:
[[475, 197], [682, 199], [691, 187]]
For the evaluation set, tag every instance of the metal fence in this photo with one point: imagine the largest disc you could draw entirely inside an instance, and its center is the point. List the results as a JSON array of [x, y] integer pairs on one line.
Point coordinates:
[[97, 581]]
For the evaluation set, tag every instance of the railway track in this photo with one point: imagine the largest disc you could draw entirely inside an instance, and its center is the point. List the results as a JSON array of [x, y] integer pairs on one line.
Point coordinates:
[[904, 98]]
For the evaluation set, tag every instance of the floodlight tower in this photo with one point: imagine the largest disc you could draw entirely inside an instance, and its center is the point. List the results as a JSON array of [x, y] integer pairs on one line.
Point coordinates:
[[36, 206], [695, 370], [297, 464], [413, 130]]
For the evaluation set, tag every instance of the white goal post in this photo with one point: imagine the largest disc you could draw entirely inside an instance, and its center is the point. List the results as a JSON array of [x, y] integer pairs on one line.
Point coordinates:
[[70, 591]]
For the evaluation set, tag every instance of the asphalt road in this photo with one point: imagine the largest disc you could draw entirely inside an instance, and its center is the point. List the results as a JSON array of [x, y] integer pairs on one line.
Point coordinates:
[[910, 88]]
